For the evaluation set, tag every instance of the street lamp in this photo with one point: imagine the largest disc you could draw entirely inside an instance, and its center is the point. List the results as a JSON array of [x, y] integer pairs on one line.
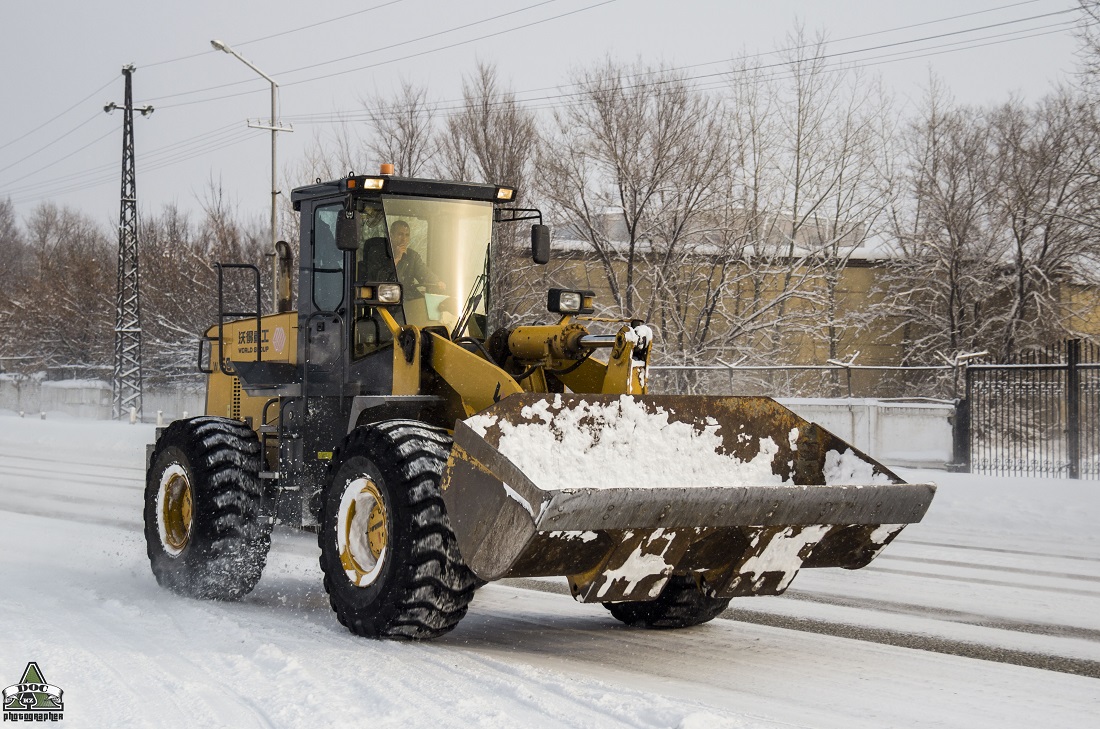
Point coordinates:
[[222, 46]]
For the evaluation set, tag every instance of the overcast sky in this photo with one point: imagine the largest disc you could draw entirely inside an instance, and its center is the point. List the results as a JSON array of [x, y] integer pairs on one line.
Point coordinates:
[[63, 61]]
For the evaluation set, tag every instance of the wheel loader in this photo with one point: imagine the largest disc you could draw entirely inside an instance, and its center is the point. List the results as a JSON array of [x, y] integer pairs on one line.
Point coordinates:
[[432, 455]]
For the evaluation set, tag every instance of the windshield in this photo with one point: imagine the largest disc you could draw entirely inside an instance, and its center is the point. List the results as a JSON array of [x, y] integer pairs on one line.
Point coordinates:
[[436, 249]]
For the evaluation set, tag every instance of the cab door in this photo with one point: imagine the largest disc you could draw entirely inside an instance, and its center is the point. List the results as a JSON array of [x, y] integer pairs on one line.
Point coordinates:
[[318, 421], [325, 316]]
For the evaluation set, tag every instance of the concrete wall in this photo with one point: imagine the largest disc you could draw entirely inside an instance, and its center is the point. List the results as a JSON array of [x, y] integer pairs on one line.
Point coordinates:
[[895, 433], [916, 434], [90, 399]]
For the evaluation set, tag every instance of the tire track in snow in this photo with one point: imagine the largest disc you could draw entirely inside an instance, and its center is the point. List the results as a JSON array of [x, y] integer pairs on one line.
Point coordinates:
[[993, 568], [998, 550], [107, 465], [947, 614], [896, 638], [983, 581], [52, 474], [74, 517]]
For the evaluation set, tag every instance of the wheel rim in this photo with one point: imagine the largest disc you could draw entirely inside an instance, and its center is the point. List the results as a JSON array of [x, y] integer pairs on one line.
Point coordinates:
[[362, 532], [174, 509]]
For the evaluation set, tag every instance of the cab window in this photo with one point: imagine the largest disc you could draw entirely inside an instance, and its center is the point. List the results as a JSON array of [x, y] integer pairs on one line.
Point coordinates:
[[328, 260]]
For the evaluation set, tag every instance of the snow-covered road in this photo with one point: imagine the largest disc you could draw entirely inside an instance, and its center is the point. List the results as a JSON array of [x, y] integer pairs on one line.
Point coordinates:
[[1006, 570]]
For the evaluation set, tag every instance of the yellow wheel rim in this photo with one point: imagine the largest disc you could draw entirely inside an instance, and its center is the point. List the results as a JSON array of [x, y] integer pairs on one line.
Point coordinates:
[[362, 533], [174, 509]]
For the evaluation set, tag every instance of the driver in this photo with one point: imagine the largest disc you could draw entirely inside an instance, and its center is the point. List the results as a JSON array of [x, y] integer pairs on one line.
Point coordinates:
[[411, 268]]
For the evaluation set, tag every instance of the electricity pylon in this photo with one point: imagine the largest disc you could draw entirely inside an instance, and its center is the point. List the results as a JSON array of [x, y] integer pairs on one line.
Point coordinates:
[[126, 382]]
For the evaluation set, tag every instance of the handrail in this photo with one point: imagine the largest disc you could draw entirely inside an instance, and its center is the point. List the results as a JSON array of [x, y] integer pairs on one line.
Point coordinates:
[[223, 314]]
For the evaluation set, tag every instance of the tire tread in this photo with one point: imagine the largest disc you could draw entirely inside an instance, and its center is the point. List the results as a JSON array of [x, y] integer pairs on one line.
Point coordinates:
[[433, 588]]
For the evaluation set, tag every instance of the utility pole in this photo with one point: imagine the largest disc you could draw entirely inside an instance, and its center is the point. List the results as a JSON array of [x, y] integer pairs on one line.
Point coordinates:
[[275, 129], [126, 382]]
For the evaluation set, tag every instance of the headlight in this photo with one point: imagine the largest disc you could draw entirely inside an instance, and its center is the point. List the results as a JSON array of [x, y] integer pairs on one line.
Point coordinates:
[[379, 293], [389, 293], [564, 301], [569, 301]]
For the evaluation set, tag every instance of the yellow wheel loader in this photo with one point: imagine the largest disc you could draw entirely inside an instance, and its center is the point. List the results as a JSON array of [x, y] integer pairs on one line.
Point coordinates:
[[432, 455]]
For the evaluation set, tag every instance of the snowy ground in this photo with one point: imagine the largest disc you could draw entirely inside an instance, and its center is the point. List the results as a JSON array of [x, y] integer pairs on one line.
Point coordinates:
[[987, 614]]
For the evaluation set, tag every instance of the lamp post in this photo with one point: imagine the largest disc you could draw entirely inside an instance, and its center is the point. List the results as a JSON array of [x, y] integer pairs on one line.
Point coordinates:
[[221, 46]]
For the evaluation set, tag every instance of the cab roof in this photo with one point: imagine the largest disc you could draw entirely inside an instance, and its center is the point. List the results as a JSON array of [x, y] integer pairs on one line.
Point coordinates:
[[375, 185]]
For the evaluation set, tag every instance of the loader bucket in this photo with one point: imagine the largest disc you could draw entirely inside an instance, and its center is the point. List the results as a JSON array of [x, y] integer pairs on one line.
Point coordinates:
[[620, 492]]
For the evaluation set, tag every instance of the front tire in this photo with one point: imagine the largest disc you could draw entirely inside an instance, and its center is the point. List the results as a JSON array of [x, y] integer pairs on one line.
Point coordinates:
[[204, 531], [680, 605], [391, 562]]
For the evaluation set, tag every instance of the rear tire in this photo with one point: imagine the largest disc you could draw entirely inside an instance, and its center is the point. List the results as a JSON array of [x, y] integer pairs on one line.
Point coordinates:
[[680, 605], [391, 562], [204, 531]]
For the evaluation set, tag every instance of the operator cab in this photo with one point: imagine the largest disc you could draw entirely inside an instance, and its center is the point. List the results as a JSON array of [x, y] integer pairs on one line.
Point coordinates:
[[362, 234]]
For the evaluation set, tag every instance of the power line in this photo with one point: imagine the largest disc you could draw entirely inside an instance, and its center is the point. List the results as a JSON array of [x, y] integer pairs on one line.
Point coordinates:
[[87, 121], [181, 147], [421, 53], [458, 104], [439, 33], [777, 75], [277, 35], [548, 101], [42, 168], [53, 189], [915, 54], [356, 55], [39, 127], [392, 2], [870, 34], [103, 174], [889, 30], [835, 66], [154, 151], [54, 118]]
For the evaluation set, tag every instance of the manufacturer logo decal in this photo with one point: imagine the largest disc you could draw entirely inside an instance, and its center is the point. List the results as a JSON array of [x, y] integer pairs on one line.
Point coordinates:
[[278, 339]]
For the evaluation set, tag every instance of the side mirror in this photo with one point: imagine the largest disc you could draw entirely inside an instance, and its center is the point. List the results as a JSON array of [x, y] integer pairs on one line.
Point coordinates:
[[540, 244], [346, 239]]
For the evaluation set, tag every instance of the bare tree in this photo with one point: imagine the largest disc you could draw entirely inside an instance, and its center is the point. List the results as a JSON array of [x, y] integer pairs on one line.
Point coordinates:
[[629, 169], [801, 194], [13, 251], [1088, 36], [832, 128], [1044, 213], [492, 138], [60, 312], [939, 287], [12, 248], [995, 224], [402, 129], [179, 296]]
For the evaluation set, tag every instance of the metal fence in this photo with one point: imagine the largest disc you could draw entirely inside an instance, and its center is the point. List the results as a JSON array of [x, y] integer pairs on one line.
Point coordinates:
[[1039, 416]]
